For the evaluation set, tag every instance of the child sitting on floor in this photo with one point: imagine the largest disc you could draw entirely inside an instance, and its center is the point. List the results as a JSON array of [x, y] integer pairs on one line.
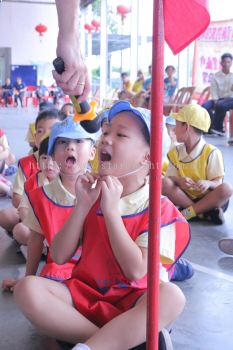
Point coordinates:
[[48, 170], [105, 300], [51, 205], [194, 177], [27, 166]]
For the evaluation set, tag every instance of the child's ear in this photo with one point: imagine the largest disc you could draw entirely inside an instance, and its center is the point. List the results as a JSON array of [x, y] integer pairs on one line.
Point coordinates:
[[92, 153], [146, 159]]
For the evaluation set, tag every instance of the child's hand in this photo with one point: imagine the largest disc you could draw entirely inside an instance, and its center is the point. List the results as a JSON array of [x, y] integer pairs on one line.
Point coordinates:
[[111, 191], [203, 185], [186, 183], [86, 190], [8, 285]]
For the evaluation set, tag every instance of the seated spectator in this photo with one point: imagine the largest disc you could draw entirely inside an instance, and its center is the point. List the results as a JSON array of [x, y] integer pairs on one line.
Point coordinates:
[[124, 95], [7, 92], [19, 91], [221, 90], [42, 91], [126, 83], [194, 177], [66, 110], [147, 82], [170, 83], [138, 84], [56, 92]]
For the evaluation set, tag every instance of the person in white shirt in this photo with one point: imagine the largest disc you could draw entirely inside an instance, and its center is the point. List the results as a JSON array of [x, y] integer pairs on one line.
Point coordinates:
[[222, 95]]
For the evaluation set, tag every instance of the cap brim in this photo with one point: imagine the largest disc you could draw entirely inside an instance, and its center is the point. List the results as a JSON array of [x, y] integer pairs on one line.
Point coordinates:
[[125, 106]]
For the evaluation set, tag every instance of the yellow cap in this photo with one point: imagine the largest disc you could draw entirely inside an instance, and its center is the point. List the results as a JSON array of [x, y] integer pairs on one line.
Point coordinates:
[[194, 115]]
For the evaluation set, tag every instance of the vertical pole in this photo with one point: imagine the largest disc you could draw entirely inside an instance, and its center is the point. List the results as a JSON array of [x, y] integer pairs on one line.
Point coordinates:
[[155, 176], [134, 39], [103, 51]]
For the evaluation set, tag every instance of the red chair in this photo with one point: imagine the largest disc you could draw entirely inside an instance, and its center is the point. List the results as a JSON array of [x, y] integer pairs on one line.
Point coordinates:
[[30, 95]]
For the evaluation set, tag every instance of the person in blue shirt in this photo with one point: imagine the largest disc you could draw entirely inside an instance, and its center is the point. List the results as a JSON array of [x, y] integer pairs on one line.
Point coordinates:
[[7, 91], [19, 90], [41, 91], [170, 83], [147, 82]]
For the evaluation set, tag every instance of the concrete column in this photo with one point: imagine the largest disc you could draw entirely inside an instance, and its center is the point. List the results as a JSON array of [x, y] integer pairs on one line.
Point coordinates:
[[103, 51]]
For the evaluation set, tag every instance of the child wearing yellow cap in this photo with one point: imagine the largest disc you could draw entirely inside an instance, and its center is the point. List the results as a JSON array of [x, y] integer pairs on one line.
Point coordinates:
[[194, 177]]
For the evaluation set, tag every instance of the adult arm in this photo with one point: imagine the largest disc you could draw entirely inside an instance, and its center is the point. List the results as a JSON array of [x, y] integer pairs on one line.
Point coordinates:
[[68, 48]]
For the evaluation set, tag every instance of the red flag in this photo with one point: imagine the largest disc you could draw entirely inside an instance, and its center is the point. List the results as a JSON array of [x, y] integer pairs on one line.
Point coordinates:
[[184, 21]]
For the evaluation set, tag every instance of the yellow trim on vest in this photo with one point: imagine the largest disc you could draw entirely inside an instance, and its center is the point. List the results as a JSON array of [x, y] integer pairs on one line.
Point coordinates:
[[195, 169]]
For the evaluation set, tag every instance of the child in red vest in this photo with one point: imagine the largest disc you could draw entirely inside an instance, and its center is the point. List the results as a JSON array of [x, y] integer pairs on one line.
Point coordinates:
[[47, 173], [27, 166], [51, 205], [105, 300]]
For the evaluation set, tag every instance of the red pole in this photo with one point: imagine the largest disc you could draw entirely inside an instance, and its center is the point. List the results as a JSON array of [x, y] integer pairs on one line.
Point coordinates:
[[155, 175]]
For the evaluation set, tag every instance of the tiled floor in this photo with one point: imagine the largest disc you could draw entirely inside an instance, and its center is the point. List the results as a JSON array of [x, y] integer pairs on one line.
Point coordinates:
[[206, 323]]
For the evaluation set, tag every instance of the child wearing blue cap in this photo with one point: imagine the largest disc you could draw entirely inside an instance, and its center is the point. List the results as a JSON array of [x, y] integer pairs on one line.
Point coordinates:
[[50, 205], [105, 300]]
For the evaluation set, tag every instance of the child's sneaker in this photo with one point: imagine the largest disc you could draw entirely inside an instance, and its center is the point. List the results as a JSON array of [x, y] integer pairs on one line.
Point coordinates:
[[215, 215], [183, 270], [226, 245], [165, 342]]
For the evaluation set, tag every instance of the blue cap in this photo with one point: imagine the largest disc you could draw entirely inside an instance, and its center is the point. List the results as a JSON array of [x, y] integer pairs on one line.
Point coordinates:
[[70, 130], [122, 106]]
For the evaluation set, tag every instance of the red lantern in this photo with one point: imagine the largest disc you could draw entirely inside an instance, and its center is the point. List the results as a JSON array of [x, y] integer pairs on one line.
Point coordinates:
[[41, 29], [123, 11], [96, 24], [88, 27]]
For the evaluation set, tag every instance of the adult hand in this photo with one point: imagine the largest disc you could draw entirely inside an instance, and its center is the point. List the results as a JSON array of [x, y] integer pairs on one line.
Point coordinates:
[[75, 80], [111, 191]]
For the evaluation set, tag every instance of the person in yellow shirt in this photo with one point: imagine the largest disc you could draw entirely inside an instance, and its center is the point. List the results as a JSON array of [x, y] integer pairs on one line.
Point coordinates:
[[126, 83], [138, 84], [194, 177]]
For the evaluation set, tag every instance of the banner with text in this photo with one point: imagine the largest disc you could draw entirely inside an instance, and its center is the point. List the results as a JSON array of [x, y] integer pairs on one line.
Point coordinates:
[[215, 41]]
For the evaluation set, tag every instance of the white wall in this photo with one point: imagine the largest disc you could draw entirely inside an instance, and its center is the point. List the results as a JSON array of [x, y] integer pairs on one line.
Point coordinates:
[[17, 31]]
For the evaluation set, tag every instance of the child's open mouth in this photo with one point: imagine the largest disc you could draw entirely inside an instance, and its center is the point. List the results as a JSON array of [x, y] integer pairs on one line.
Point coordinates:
[[70, 161], [105, 157]]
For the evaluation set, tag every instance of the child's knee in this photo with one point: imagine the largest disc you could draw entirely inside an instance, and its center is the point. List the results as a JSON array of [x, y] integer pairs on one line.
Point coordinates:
[[167, 184], [25, 292], [225, 190], [172, 299]]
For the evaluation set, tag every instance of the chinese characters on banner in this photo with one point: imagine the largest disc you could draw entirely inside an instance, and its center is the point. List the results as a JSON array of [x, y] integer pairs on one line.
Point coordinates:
[[216, 40]]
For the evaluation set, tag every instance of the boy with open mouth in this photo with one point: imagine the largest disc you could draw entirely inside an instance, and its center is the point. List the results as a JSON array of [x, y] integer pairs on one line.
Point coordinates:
[[103, 305]]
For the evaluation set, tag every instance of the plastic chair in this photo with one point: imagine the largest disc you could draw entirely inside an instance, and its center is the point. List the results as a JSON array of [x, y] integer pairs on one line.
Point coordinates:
[[30, 96], [204, 96], [182, 98]]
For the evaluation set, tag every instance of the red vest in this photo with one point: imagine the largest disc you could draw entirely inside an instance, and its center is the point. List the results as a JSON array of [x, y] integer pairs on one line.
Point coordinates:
[[99, 289], [31, 183], [28, 165], [51, 217]]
